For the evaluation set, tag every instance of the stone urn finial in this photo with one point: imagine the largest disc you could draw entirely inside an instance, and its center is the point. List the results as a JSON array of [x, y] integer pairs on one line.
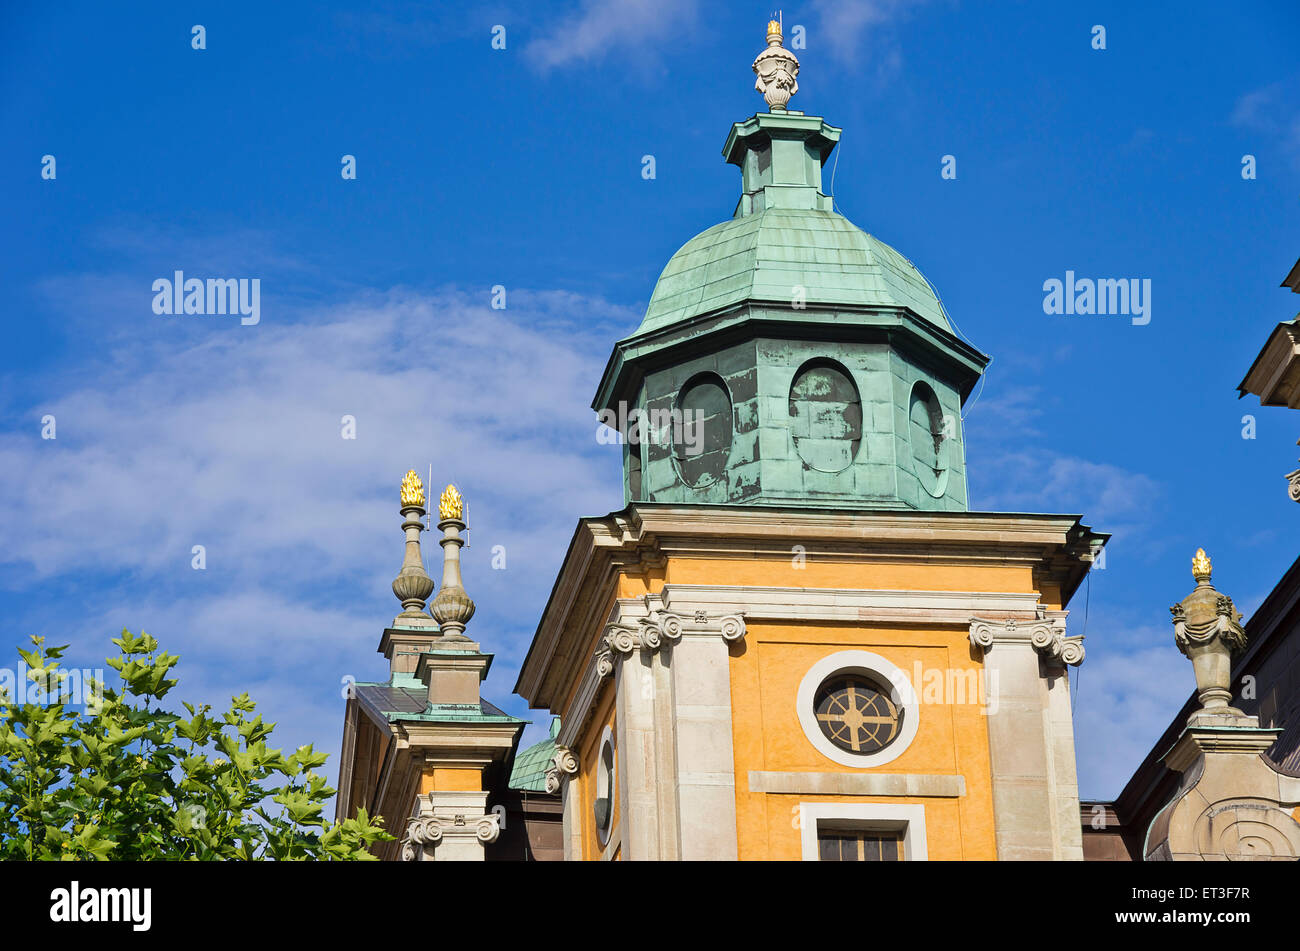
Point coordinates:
[[412, 584], [1207, 629], [777, 70], [452, 607]]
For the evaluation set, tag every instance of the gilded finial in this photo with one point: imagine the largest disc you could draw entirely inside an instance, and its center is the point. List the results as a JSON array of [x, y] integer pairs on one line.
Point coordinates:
[[776, 70], [451, 504], [1201, 565], [412, 586], [412, 489]]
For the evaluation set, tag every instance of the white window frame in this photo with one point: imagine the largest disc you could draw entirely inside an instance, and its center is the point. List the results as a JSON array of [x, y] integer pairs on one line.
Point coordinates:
[[863, 817], [847, 662]]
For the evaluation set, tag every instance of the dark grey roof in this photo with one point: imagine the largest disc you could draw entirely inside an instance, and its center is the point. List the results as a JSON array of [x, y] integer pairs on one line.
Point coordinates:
[[389, 699], [398, 702]]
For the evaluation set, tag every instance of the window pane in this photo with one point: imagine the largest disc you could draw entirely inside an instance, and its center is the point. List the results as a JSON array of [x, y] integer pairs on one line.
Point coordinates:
[[844, 845], [828, 849]]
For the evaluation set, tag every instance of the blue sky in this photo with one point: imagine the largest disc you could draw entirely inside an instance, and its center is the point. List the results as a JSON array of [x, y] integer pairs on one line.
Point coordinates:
[[522, 167]]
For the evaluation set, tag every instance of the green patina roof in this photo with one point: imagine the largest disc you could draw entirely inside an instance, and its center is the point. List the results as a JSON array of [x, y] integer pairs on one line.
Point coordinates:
[[530, 768], [764, 255]]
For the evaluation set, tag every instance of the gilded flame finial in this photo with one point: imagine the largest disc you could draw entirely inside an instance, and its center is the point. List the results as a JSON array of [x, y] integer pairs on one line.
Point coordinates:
[[412, 489], [450, 505], [1201, 565], [412, 586]]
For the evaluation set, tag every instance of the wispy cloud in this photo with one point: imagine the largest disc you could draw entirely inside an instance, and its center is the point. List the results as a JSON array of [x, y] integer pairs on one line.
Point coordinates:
[[850, 29], [600, 28], [231, 438], [1271, 112], [1124, 700]]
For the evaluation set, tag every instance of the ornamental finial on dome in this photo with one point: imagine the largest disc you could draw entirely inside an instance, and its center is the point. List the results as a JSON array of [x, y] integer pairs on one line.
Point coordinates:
[[777, 70], [1201, 565]]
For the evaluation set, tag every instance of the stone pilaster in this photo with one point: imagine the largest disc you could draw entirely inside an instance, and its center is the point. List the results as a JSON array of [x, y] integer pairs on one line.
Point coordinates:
[[1031, 735], [676, 768]]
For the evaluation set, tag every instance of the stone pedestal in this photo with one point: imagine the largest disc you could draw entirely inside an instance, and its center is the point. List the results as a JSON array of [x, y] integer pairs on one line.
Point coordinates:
[[1232, 803]]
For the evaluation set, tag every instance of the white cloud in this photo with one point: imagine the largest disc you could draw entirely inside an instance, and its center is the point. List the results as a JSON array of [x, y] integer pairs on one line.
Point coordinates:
[[230, 437], [1271, 114], [848, 28], [1124, 700], [603, 27]]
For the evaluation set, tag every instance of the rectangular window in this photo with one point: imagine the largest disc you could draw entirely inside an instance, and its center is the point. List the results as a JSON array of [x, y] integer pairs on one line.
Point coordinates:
[[848, 845], [862, 832]]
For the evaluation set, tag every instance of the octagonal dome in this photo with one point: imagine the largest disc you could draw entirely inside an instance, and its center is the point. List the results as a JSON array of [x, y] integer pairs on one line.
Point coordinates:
[[766, 255]]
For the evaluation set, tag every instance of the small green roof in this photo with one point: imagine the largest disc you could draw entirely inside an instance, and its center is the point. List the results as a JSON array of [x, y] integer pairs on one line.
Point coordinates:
[[531, 766], [764, 255]]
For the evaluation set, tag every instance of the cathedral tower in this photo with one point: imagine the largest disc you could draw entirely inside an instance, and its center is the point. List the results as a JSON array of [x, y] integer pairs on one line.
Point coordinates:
[[796, 640]]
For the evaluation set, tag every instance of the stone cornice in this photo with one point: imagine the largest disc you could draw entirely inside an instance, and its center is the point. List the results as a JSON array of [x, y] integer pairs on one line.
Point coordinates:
[[1057, 547], [1045, 635], [1275, 375]]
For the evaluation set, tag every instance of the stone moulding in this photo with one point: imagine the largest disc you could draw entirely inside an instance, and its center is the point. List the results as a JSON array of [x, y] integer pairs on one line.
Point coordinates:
[[1045, 635]]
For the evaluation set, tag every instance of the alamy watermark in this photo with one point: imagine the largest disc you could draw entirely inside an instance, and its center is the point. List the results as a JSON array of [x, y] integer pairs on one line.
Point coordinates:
[[1128, 297], [659, 427], [69, 686], [215, 296]]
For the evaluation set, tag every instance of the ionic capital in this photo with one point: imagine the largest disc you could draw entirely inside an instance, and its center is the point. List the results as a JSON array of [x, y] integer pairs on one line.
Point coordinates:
[[1047, 636], [651, 632], [563, 765]]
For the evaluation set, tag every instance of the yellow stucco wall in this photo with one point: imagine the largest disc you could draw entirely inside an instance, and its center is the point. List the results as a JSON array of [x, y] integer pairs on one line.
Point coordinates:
[[824, 573], [451, 779], [951, 737]]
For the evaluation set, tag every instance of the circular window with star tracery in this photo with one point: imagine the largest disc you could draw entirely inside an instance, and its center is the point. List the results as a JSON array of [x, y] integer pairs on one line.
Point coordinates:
[[857, 709], [857, 715]]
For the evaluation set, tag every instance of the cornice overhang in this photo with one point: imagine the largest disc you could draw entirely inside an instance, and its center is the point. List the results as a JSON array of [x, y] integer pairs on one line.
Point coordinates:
[[752, 132], [899, 327], [644, 535], [1275, 375]]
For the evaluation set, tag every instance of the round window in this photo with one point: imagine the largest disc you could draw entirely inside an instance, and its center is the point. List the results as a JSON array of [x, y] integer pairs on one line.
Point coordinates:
[[603, 806], [856, 714], [857, 709]]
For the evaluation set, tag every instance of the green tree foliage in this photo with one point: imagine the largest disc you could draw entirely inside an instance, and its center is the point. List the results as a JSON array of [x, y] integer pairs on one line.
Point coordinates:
[[124, 779]]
